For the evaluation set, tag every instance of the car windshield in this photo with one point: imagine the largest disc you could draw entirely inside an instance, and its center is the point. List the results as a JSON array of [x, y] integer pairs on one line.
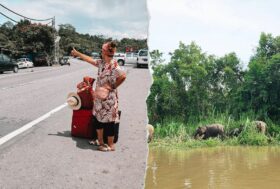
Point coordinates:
[[21, 59], [95, 54], [143, 53]]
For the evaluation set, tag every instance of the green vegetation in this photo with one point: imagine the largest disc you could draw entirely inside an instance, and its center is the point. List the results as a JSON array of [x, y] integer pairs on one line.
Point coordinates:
[[171, 133], [29, 38], [26, 37], [92, 43], [196, 89]]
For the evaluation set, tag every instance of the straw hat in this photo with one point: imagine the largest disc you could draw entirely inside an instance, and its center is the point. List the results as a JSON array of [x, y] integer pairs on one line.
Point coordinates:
[[74, 101]]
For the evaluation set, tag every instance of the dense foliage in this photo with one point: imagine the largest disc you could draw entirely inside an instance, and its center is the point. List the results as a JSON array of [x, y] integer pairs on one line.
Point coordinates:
[[194, 85], [92, 43], [28, 38]]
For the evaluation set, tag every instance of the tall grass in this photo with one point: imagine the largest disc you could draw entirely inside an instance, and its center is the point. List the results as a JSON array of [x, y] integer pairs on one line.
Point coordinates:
[[180, 134]]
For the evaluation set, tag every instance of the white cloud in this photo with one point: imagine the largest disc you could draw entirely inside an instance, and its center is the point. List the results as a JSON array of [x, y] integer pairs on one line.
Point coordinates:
[[122, 17], [218, 26]]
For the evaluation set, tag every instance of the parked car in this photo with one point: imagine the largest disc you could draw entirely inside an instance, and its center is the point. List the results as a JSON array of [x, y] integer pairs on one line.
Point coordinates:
[[24, 63], [120, 57], [143, 58], [96, 56], [7, 64], [42, 60], [131, 58], [64, 60]]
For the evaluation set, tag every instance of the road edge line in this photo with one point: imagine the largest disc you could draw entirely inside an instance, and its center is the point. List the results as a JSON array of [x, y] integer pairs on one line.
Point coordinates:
[[29, 125]]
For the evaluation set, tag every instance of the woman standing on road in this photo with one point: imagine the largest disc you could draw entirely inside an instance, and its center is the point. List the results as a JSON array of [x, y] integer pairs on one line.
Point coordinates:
[[105, 110]]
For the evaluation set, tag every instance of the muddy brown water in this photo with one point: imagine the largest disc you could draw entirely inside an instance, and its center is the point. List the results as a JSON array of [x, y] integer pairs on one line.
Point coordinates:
[[214, 168]]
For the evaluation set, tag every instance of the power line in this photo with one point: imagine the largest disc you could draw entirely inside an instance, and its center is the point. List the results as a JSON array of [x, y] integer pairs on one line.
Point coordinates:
[[49, 22], [8, 17], [25, 16]]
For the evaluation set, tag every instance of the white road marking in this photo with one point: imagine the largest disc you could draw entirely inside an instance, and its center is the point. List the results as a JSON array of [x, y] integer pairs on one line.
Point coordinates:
[[13, 134], [24, 73]]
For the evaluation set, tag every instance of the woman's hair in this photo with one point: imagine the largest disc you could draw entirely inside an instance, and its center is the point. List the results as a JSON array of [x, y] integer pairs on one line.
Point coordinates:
[[112, 45], [109, 47]]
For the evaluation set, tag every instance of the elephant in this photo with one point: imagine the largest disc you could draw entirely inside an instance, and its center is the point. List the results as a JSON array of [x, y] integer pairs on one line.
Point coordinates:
[[150, 132], [213, 130], [260, 126], [235, 132]]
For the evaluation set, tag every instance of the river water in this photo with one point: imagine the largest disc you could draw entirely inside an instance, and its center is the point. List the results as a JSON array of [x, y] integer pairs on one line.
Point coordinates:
[[214, 168]]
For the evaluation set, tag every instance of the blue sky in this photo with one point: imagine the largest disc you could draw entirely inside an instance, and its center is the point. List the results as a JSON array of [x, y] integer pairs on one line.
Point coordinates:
[[217, 26], [112, 18]]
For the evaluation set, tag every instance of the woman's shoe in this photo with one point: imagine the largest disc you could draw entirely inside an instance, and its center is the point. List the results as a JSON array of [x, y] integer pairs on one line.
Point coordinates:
[[105, 148], [94, 142]]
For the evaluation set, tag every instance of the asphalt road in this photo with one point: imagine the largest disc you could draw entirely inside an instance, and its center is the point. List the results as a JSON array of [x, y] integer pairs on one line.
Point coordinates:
[[46, 156]]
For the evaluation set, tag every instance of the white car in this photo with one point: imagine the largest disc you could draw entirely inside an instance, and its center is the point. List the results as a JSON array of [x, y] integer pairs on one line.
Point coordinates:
[[95, 55], [131, 58], [143, 58], [24, 63], [120, 58]]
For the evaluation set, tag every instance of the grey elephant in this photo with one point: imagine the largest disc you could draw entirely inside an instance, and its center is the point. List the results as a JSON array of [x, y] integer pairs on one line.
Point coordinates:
[[235, 132], [150, 132], [213, 130], [260, 126]]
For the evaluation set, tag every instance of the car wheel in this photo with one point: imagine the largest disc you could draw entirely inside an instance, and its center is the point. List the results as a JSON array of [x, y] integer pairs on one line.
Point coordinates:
[[121, 62], [137, 65], [15, 69], [1, 72]]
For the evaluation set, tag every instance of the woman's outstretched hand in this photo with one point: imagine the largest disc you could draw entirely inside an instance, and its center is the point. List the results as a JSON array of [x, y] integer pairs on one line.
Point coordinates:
[[83, 57], [74, 52]]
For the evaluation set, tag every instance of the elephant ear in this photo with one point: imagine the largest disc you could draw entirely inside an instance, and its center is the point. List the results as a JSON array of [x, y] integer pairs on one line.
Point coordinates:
[[203, 129]]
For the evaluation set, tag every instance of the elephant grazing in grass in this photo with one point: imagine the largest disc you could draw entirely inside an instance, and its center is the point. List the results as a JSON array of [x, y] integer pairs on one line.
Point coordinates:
[[235, 132], [150, 132], [213, 130], [260, 126]]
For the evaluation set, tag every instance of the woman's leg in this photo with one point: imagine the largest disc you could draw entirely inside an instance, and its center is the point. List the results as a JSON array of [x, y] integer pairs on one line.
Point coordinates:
[[110, 134], [99, 130], [94, 140], [100, 136], [111, 143]]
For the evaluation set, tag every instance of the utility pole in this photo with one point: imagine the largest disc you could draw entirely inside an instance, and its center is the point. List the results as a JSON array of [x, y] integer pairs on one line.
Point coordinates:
[[54, 45]]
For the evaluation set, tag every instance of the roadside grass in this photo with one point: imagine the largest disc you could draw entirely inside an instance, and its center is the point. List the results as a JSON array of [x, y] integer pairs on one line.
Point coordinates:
[[177, 134]]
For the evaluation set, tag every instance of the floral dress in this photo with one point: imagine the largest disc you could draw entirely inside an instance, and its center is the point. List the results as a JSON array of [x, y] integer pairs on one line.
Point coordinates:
[[106, 110]]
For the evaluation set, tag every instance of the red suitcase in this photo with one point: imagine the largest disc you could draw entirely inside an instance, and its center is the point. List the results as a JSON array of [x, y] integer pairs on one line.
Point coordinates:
[[86, 92], [82, 124], [86, 95]]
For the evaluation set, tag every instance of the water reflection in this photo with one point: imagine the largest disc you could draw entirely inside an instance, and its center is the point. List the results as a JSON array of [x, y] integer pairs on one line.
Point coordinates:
[[214, 168]]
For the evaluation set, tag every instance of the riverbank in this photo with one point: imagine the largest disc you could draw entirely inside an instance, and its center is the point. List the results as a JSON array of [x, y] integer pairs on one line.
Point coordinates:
[[176, 134], [170, 143]]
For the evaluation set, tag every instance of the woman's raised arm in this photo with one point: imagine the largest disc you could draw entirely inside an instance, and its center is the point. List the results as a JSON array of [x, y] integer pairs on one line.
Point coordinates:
[[84, 57]]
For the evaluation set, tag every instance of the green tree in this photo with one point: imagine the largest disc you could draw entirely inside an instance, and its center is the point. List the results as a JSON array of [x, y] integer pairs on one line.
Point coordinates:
[[156, 58]]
